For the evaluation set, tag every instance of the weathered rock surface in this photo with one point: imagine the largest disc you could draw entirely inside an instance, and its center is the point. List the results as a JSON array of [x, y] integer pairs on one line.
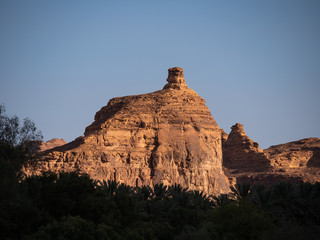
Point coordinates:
[[55, 142], [304, 153], [224, 136], [297, 161], [240, 152], [168, 136]]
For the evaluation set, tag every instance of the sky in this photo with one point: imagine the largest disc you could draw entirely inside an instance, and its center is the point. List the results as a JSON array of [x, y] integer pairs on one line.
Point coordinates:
[[254, 62]]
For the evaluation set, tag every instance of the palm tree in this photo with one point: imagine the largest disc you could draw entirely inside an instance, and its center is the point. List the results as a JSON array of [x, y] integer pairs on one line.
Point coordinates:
[[306, 205], [305, 191], [160, 191], [125, 188], [283, 207], [144, 193], [201, 200], [109, 187], [185, 198], [222, 200], [175, 189], [242, 191], [283, 193], [261, 196]]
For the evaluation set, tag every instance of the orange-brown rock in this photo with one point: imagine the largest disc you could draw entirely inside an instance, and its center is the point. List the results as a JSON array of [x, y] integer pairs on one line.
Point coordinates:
[[299, 159], [168, 136], [244, 161], [304, 153], [224, 136], [240, 152], [55, 142], [175, 79]]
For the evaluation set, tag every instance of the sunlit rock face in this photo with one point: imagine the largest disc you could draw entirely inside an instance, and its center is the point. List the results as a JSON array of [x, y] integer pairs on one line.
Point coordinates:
[[55, 142], [301, 154], [175, 79], [168, 136], [245, 161]]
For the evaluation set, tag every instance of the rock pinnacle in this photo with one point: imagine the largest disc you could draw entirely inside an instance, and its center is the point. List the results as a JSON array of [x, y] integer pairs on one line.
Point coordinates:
[[164, 137], [175, 79]]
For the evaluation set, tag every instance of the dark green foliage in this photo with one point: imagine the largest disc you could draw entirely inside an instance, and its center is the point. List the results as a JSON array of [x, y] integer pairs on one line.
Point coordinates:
[[73, 206], [262, 196], [240, 221], [18, 145], [222, 200], [191, 233], [241, 191], [293, 232], [68, 194], [74, 228], [13, 134]]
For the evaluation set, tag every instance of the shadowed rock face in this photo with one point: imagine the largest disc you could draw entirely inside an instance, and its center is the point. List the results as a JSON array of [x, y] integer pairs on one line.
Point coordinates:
[[168, 137], [240, 152], [243, 160]]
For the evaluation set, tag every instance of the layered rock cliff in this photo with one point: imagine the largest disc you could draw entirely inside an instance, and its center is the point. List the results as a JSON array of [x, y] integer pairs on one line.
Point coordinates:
[[243, 160], [168, 136], [304, 153], [240, 152]]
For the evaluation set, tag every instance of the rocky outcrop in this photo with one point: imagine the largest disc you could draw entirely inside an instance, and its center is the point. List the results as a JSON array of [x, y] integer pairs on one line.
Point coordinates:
[[244, 161], [304, 153], [176, 79], [168, 136], [224, 136], [240, 152], [55, 142]]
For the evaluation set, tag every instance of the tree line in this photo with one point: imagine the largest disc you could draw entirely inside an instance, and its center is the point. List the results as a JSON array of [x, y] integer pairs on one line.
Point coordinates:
[[73, 206]]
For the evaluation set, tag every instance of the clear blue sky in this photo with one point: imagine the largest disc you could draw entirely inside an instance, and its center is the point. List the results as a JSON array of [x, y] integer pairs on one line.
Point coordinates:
[[255, 62]]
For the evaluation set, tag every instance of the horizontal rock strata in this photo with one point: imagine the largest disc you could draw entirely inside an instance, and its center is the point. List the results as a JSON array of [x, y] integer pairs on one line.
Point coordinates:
[[240, 152], [298, 154], [244, 161], [168, 136]]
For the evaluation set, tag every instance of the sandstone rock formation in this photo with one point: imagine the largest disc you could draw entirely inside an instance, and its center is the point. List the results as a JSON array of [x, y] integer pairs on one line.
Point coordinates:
[[299, 159], [224, 136], [244, 161], [55, 142], [240, 152], [167, 136], [300, 154]]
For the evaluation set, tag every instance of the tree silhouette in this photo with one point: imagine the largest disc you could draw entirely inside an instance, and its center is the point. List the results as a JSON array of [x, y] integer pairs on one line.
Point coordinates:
[[13, 134], [222, 200], [261, 196], [241, 191]]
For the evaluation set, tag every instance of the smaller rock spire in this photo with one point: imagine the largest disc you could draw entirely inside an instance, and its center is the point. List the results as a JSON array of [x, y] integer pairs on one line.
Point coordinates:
[[238, 128], [175, 79]]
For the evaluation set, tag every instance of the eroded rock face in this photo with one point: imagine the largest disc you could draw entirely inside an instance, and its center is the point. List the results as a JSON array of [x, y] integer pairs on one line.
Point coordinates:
[[304, 153], [175, 79], [294, 162], [224, 136], [240, 152], [168, 137], [55, 142]]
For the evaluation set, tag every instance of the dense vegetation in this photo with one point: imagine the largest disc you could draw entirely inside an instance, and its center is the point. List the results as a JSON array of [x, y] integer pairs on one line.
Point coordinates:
[[71, 206]]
